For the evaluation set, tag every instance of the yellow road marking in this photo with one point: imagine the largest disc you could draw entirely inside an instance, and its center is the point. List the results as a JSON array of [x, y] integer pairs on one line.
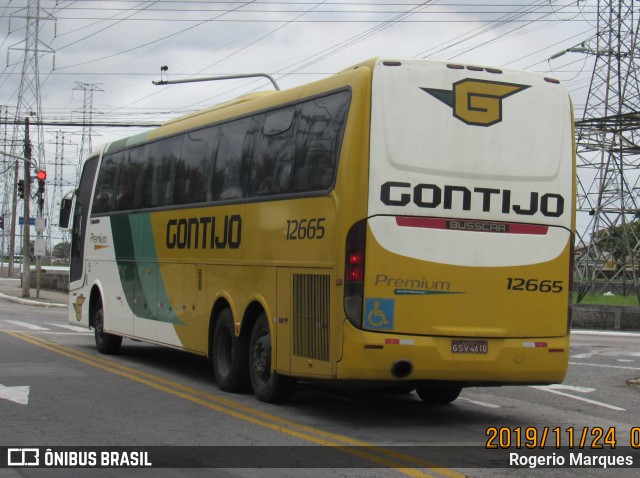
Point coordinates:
[[248, 414]]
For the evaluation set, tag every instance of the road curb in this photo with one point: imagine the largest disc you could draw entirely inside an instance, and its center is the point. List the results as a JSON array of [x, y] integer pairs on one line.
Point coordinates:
[[37, 303]]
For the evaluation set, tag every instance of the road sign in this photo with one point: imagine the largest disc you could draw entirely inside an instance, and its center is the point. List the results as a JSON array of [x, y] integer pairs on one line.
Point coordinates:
[[32, 221]]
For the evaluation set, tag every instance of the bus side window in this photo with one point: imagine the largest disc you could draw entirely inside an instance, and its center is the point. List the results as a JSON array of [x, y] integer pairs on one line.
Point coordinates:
[[273, 154], [131, 182], [163, 154], [198, 158], [76, 232], [144, 184], [231, 172], [138, 165], [104, 194], [152, 173], [320, 130], [315, 169]]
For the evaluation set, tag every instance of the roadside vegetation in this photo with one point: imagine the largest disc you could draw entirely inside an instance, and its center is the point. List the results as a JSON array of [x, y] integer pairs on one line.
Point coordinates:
[[629, 300]]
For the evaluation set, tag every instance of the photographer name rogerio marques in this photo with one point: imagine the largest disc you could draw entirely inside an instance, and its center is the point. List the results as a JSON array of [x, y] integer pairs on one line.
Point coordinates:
[[572, 459]]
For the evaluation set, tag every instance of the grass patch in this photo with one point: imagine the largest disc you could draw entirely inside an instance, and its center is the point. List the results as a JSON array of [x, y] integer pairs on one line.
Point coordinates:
[[629, 300]]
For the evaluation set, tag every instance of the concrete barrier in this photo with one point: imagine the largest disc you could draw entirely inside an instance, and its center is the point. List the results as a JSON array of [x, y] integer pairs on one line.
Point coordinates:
[[606, 317], [51, 280]]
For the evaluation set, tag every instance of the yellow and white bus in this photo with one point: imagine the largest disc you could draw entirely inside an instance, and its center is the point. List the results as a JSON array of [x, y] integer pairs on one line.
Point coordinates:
[[402, 223]]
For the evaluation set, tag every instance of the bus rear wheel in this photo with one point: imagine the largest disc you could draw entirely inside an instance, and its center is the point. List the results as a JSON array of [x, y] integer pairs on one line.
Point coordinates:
[[439, 395], [106, 343], [268, 386], [229, 355]]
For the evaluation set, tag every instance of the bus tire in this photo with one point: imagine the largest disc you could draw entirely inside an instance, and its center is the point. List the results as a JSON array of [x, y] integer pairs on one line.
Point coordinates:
[[229, 355], [267, 386], [106, 343], [439, 395]]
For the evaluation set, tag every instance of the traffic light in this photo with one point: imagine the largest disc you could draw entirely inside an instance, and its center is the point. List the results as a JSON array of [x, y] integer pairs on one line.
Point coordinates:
[[42, 175], [21, 189]]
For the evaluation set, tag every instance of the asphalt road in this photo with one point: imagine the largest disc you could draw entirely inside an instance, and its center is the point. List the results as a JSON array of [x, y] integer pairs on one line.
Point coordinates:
[[56, 391]]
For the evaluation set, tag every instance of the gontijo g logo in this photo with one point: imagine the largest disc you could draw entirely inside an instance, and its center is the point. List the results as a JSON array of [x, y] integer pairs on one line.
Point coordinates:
[[477, 102]]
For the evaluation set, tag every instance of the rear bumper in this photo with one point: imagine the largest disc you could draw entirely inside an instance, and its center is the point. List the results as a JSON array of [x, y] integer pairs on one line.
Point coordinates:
[[372, 356]]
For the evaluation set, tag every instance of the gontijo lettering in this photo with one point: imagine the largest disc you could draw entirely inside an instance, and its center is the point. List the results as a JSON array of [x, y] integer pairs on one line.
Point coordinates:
[[431, 196], [206, 232]]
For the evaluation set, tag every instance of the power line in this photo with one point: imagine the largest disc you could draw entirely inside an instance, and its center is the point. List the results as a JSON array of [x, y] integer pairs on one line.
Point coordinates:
[[78, 124]]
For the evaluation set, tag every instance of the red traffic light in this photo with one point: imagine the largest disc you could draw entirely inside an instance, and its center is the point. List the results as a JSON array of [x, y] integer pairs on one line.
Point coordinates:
[[42, 175]]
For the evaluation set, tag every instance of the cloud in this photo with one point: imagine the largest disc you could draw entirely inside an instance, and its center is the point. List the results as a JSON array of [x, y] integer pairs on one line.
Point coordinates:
[[120, 46]]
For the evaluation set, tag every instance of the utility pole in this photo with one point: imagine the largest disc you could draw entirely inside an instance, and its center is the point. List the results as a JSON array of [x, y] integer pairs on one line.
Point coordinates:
[[14, 210], [26, 270], [39, 245]]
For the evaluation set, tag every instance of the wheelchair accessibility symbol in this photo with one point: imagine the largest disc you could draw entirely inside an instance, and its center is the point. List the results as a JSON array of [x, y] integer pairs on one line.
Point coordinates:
[[379, 314]]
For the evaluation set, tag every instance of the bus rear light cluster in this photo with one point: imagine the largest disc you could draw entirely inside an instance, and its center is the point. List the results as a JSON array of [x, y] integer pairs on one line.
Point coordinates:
[[354, 273], [355, 267]]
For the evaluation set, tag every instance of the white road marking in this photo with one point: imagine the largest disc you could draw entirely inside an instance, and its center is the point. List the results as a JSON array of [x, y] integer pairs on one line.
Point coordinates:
[[73, 328], [26, 325], [605, 332], [570, 388], [605, 366], [575, 397], [585, 355], [482, 404], [15, 394]]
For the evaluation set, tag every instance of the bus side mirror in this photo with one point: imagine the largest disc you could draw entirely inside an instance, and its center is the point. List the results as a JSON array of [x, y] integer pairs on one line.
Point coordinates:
[[65, 212]]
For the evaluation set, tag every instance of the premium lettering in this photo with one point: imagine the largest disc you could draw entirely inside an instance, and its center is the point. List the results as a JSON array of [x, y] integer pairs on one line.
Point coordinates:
[[415, 283], [432, 196], [98, 239], [204, 233]]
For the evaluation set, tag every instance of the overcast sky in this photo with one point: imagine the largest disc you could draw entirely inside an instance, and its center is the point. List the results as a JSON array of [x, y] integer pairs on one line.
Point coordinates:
[[119, 47]]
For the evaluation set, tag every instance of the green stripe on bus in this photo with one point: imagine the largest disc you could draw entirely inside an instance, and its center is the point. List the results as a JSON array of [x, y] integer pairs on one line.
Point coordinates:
[[141, 279]]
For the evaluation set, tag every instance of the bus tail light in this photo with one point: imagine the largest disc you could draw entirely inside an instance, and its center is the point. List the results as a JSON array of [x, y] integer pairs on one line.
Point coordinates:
[[354, 273], [572, 259]]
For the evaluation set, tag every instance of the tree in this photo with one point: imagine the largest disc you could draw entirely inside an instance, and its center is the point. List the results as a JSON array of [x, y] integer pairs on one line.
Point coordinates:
[[613, 241], [62, 250]]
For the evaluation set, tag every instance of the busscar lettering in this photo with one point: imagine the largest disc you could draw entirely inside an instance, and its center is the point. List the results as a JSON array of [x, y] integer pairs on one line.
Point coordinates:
[[207, 232], [451, 197], [480, 226]]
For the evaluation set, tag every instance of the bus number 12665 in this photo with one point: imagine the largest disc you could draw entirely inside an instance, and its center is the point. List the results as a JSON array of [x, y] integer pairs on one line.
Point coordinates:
[[305, 228], [535, 285]]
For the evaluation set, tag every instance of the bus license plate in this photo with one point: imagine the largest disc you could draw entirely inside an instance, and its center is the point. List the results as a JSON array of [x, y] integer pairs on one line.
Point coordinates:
[[469, 346]]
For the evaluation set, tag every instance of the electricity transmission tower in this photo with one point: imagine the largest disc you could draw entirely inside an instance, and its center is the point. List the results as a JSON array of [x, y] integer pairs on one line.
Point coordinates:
[[608, 150], [87, 118], [7, 170], [29, 99], [29, 103], [57, 183]]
